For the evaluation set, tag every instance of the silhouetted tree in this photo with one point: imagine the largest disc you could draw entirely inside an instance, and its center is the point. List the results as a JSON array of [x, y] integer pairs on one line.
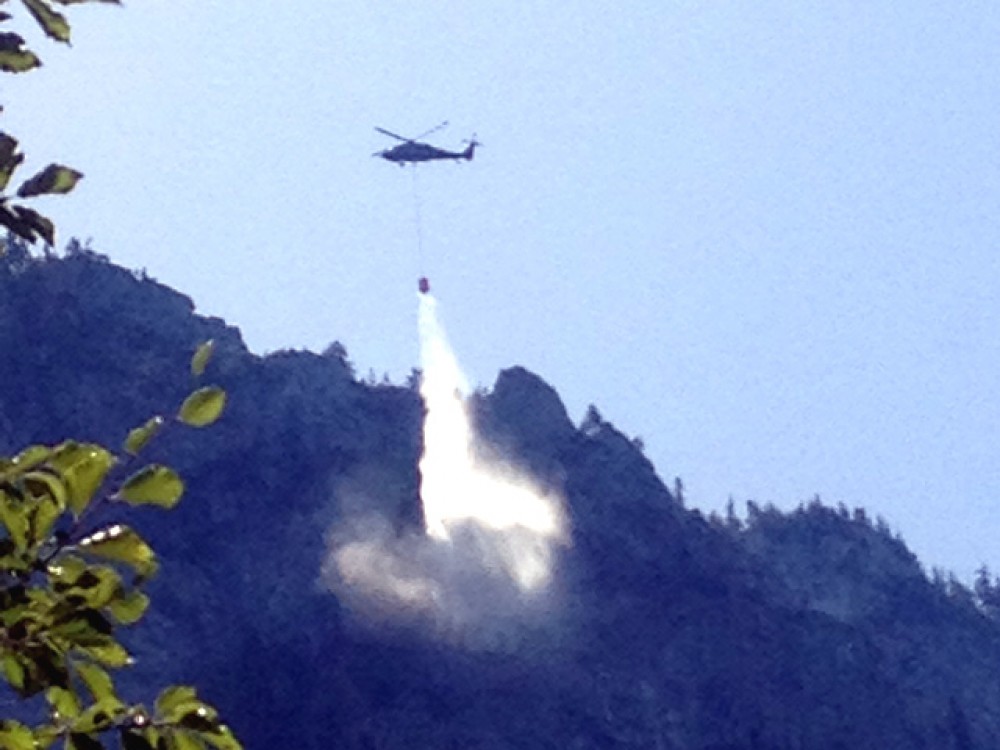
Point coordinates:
[[987, 591], [592, 421]]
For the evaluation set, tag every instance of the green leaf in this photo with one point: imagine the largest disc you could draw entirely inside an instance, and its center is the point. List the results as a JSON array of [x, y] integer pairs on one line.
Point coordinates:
[[65, 570], [54, 179], [81, 628], [64, 702], [122, 544], [18, 616], [31, 457], [13, 670], [223, 739], [129, 608], [140, 436], [201, 718], [43, 518], [31, 225], [14, 58], [98, 682], [173, 698], [14, 515], [10, 158], [179, 705], [10, 561], [53, 24], [111, 654], [74, 620], [85, 476], [68, 453], [45, 666], [45, 735], [44, 484], [203, 406], [15, 736], [201, 357], [25, 223], [153, 485]]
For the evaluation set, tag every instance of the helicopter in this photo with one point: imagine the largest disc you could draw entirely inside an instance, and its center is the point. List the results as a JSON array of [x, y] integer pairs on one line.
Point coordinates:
[[412, 151]]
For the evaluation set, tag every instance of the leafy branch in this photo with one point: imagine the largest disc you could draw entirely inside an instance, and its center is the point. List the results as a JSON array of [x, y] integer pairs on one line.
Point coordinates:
[[67, 583], [55, 179]]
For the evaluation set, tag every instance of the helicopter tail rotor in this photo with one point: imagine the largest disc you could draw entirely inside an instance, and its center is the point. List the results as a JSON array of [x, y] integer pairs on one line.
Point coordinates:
[[471, 145]]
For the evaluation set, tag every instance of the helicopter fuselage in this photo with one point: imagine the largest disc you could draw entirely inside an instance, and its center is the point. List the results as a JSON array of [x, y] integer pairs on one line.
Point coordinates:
[[413, 152]]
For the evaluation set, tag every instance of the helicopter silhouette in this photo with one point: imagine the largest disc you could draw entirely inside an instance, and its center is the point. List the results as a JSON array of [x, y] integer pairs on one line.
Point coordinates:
[[411, 151]]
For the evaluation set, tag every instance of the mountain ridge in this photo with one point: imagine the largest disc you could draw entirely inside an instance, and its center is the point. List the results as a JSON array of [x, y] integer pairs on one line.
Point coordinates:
[[810, 629]]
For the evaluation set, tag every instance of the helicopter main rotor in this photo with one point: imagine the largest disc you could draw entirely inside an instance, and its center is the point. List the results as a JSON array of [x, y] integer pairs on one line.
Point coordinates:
[[436, 128]]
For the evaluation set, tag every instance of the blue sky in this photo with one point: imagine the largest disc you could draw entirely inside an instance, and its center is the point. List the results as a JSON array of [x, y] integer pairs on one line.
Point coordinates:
[[761, 236]]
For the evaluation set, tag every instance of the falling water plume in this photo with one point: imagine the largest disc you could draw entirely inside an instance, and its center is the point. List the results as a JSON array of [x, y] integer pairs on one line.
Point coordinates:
[[459, 488], [481, 573]]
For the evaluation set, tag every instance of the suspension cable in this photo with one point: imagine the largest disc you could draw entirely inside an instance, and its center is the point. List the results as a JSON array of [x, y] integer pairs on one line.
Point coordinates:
[[417, 223]]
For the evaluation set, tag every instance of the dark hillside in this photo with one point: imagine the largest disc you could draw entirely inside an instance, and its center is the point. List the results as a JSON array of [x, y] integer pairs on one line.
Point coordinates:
[[815, 629]]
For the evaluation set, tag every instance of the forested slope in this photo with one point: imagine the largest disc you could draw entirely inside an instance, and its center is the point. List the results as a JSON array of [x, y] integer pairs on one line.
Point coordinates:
[[813, 629]]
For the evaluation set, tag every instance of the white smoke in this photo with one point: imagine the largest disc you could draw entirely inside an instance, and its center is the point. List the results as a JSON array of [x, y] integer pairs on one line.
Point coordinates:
[[484, 569]]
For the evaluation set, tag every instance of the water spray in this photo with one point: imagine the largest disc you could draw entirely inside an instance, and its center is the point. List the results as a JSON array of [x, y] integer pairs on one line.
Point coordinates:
[[480, 574], [460, 488]]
